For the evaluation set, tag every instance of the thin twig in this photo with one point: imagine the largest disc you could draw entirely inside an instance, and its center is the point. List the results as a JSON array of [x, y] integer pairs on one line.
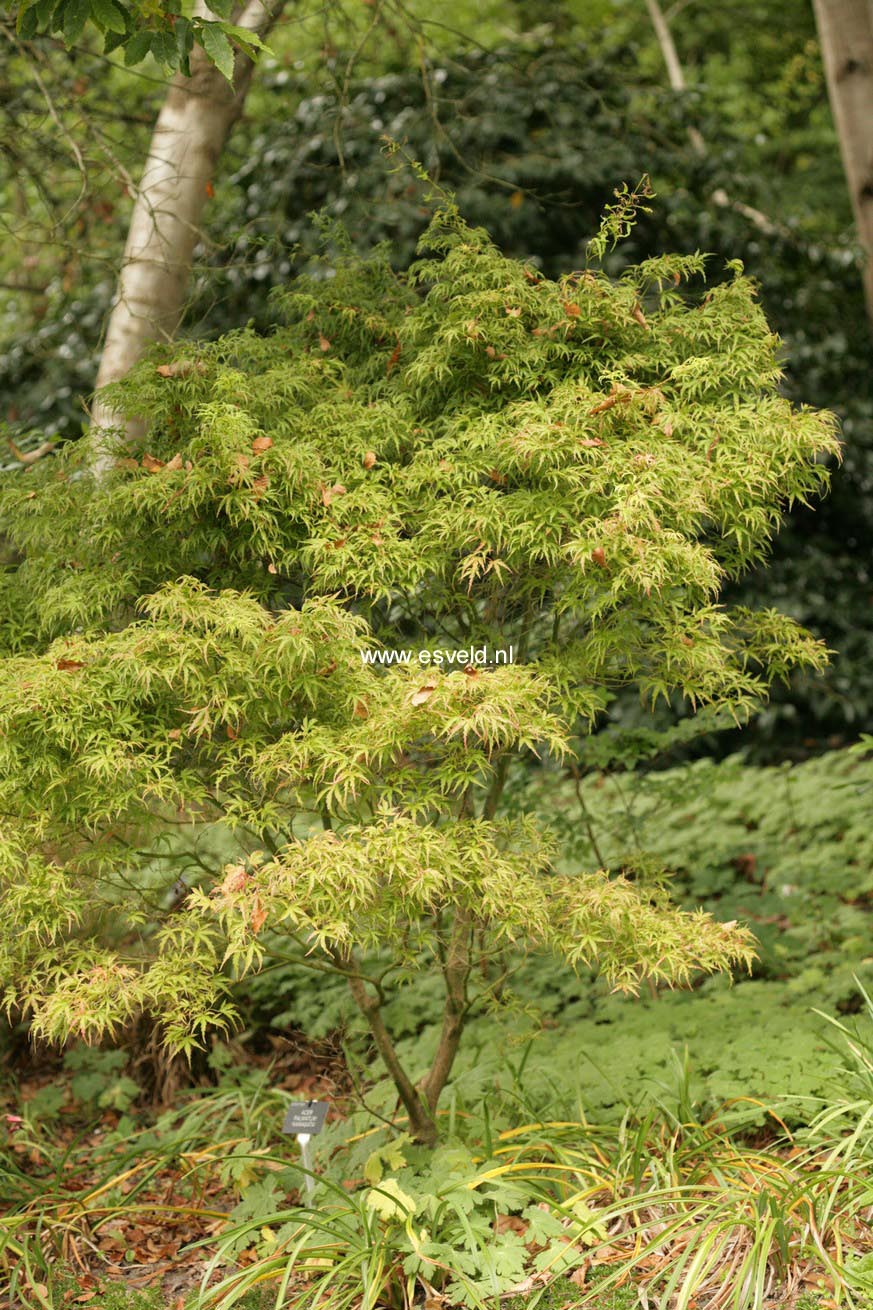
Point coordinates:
[[586, 815], [30, 456], [677, 81]]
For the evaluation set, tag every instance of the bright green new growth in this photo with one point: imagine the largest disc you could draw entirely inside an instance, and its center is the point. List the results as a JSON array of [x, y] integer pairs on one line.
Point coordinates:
[[468, 456]]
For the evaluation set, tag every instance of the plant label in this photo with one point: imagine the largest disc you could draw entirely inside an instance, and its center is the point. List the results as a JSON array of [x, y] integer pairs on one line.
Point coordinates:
[[305, 1117]]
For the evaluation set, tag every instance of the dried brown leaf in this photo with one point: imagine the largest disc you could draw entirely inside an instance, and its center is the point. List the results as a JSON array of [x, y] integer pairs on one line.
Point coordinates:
[[328, 494], [180, 368], [604, 405], [234, 879], [258, 915]]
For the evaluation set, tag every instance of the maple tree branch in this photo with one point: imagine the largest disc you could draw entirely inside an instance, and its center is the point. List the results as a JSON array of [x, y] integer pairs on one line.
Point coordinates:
[[420, 1120], [676, 76], [31, 456]]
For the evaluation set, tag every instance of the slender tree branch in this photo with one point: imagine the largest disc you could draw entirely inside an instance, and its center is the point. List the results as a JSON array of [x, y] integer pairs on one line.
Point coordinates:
[[677, 81], [360, 1095], [31, 456], [586, 815], [305, 961], [495, 791]]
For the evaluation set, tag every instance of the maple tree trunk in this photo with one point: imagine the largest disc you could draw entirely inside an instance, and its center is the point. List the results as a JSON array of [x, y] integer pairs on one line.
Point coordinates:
[[422, 1127], [420, 1102], [845, 29], [192, 127], [456, 971]]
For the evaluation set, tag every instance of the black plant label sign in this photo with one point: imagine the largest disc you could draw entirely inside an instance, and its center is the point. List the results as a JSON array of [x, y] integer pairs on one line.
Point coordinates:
[[305, 1117]]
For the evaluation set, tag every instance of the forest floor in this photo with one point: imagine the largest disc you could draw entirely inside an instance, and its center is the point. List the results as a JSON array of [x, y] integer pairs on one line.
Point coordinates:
[[124, 1203]]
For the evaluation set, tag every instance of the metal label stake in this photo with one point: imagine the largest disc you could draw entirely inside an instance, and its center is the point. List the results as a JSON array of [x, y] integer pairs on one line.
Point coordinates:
[[306, 1157], [304, 1119]]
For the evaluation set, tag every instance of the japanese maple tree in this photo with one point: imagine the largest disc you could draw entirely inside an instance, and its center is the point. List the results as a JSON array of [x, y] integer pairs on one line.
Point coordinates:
[[466, 455]]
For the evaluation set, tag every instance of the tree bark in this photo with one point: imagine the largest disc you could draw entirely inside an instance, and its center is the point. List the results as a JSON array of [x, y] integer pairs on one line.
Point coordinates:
[[845, 30], [420, 1102], [456, 972], [673, 64], [189, 136], [422, 1126]]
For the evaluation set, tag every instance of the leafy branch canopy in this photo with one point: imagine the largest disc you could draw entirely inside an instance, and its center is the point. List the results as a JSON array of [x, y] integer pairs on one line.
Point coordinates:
[[470, 454], [143, 27]]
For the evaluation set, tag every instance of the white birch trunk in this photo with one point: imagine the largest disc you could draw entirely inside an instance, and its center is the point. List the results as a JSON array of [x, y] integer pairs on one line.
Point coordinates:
[[845, 30], [189, 136]]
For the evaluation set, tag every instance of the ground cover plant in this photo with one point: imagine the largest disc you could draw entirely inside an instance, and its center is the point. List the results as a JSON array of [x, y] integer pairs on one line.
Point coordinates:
[[675, 1204]]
